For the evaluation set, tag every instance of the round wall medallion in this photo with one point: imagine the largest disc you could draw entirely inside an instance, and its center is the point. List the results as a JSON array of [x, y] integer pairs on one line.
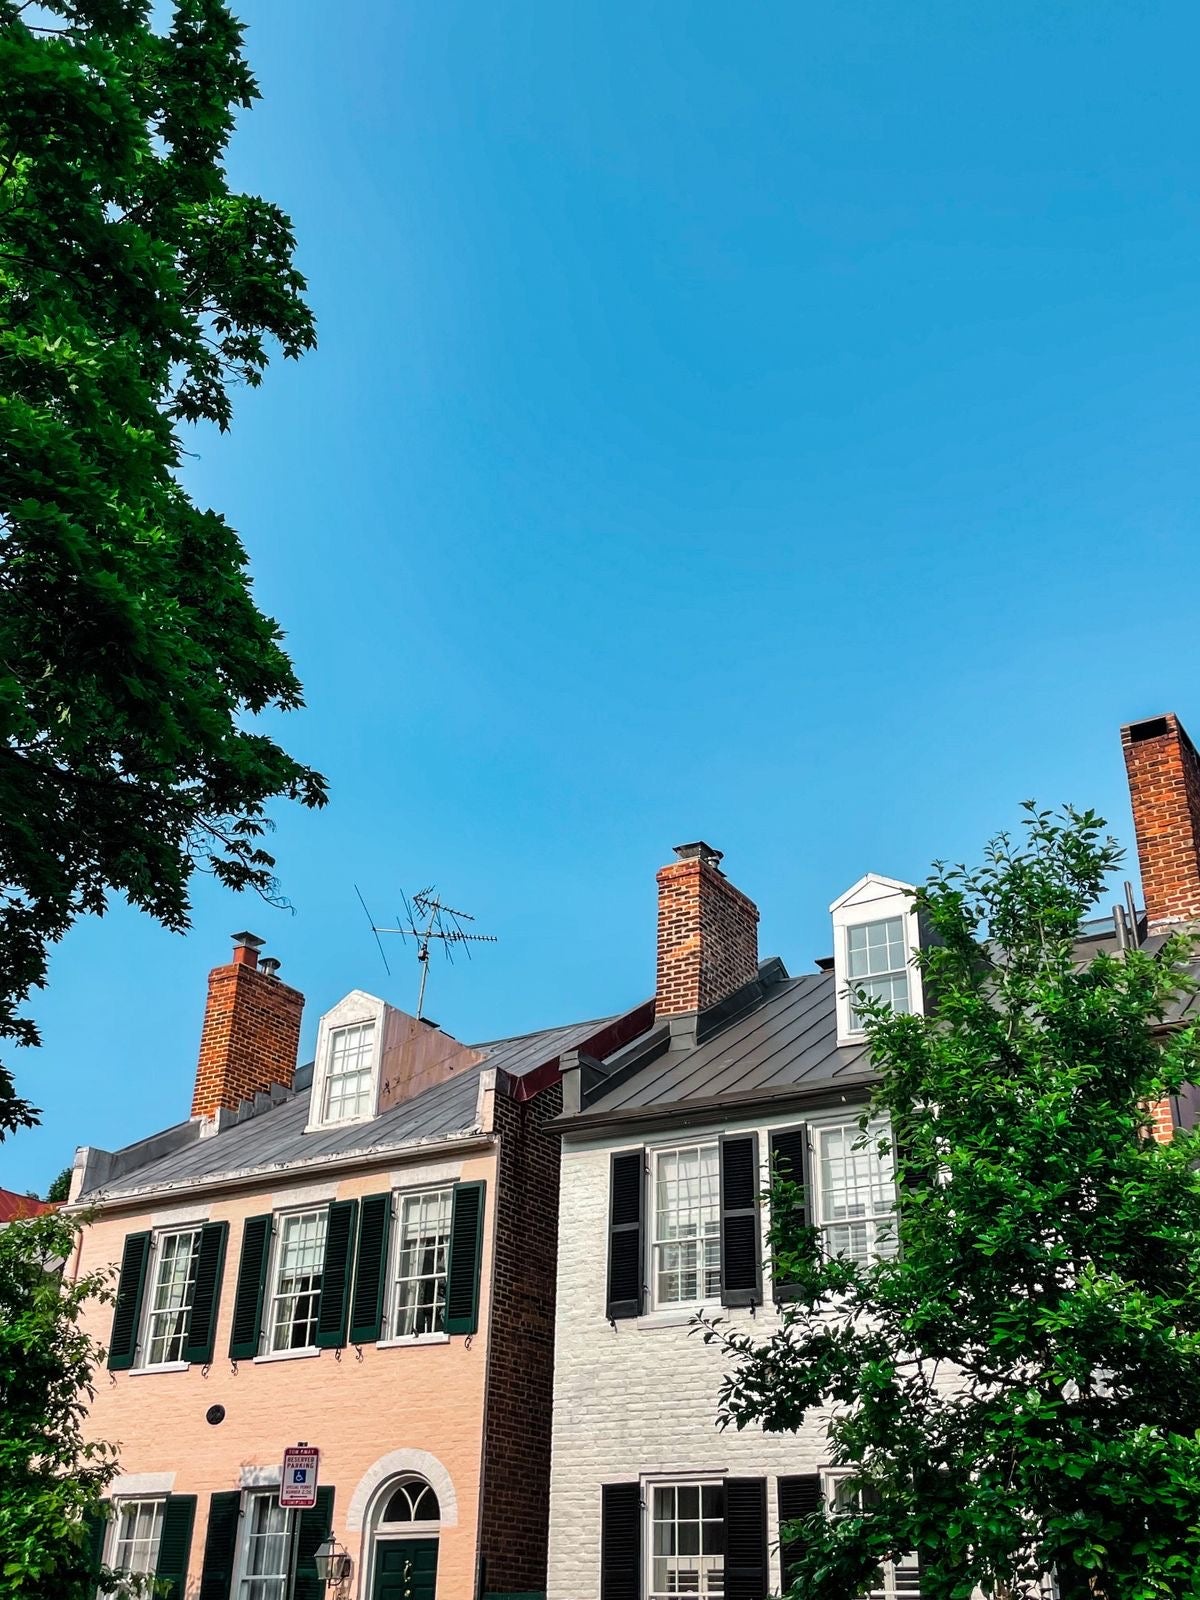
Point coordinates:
[[215, 1414]]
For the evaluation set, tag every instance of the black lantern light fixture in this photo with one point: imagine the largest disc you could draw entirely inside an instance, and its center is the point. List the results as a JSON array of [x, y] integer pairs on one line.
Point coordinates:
[[332, 1562]]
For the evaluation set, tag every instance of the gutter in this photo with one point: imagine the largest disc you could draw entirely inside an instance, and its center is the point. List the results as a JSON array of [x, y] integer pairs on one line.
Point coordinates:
[[829, 1092], [98, 1201]]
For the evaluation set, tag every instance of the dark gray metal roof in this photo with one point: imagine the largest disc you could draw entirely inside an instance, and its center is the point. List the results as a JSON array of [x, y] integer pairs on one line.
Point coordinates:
[[788, 1040], [274, 1138]]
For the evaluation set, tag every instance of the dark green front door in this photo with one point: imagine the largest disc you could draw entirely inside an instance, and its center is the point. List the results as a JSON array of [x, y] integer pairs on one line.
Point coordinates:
[[405, 1569]]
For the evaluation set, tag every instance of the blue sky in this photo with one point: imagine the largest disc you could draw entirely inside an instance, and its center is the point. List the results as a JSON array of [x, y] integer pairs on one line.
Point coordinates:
[[772, 424]]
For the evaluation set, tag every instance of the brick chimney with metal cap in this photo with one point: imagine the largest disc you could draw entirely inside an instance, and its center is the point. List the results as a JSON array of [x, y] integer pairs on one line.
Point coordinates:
[[707, 933], [251, 1031], [1164, 787]]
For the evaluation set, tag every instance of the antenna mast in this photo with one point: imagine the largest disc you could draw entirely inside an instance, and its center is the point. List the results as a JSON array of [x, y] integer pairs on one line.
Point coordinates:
[[426, 918]]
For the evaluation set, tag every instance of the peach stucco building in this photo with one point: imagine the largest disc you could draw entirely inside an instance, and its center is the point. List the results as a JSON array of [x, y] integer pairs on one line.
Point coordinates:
[[358, 1256]]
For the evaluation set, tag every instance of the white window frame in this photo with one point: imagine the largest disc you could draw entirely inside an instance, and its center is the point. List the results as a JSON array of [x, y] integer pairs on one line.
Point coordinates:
[[391, 1301], [877, 1130], [157, 1241], [891, 1571], [357, 1010], [112, 1536], [278, 1220], [670, 1480], [242, 1578], [653, 1243], [872, 899]]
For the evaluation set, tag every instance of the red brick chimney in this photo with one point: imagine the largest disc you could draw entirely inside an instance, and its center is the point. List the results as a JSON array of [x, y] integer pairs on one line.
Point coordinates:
[[707, 933], [251, 1031], [1164, 786]]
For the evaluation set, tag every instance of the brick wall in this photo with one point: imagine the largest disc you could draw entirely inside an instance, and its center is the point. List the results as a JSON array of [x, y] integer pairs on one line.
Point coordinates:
[[250, 1037], [707, 934], [1164, 787], [515, 1492]]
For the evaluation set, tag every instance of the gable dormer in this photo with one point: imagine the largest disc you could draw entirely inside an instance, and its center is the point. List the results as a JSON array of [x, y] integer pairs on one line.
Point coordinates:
[[371, 1056], [875, 932]]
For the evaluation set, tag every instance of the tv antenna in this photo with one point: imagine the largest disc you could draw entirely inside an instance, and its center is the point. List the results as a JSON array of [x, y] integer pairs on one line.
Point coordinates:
[[426, 918]]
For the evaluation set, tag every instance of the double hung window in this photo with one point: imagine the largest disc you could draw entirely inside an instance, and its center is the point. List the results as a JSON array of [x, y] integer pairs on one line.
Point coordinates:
[[170, 1300], [687, 1532], [877, 965], [349, 1080], [134, 1535], [856, 1192], [295, 1281], [897, 1580], [419, 1287], [686, 1245], [265, 1565]]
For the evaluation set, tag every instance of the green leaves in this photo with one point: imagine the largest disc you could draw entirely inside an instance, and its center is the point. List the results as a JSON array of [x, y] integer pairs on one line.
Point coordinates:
[[1020, 1386], [135, 291]]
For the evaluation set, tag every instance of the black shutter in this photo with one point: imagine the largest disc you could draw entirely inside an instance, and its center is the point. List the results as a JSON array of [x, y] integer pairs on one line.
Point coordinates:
[[127, 1312], [210, 1265], [465, 1258], [626, 1248], [746, 1539], [741, 1238], [246, 1328], [95, 1527], [799, 1497], [370, 1278], [220, 1545], [335, 1274], [790, 1160], [175, 1544], [621, 1541], [315, 1526]]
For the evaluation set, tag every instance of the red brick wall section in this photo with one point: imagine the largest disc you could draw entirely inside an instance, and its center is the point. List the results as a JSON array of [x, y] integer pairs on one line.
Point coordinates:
[[707, 938], [1162, 1121], [250, 1037], [515, 1493], [1164, 787]]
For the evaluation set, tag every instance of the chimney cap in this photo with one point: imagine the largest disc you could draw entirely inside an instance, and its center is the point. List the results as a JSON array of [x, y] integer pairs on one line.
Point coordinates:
[[247, 941], [270, 965], [699, 851]]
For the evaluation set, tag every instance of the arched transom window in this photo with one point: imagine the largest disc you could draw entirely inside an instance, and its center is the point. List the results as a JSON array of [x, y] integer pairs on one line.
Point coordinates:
[[412, 1500]]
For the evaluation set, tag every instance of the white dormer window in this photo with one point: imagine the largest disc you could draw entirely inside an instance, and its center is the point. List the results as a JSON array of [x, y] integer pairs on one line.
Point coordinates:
[[350, 1079], [875, 934], [346, 1070], [877, 964]]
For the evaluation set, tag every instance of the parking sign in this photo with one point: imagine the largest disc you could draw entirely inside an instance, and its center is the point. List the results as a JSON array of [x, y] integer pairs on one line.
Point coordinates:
[[298, 1480]]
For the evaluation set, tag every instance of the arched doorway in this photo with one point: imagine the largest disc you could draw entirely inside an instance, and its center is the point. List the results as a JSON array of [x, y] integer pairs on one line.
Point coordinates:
[[404, 1540]]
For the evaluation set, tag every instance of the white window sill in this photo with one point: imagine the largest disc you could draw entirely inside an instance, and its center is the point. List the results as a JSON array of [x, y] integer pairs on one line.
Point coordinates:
[[341, 1122], [286, 1355], [403, 1339], [679, 1316], [163, 1366]]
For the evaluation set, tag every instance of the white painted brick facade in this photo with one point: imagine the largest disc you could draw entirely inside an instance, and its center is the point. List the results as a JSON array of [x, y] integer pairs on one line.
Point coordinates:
[[642, 1398]]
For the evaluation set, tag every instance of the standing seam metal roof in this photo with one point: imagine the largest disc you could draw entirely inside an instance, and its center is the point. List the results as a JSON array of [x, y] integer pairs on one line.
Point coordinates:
[[274, 1138]]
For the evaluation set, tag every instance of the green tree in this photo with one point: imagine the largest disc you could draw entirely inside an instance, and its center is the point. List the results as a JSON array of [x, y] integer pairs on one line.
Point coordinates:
[[1017, 1390], [51, 1478], [61, 1187], [135, 292]]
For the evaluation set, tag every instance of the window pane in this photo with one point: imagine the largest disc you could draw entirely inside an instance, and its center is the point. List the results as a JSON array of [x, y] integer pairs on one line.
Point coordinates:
[[349, 1082], [296, 1296], [687, 1225], [687, 1536], [135, 1535], [419, 1293], [266, 1558], [174, 1287], [856, 1193], [877, 962]]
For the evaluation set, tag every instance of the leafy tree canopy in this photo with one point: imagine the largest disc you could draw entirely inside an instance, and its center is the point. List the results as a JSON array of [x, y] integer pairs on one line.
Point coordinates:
[[61, 1187], [135, 292], [1017, 1391], [51, 1478]]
